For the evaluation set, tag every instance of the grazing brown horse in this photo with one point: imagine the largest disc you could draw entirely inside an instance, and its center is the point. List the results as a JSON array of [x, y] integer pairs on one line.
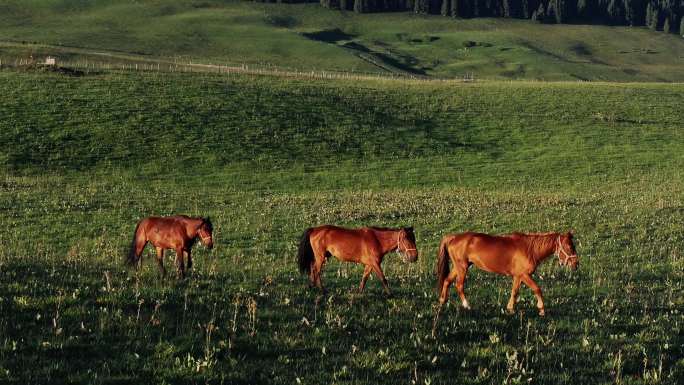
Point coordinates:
[[177, 233], [367, 245], [516, 255]]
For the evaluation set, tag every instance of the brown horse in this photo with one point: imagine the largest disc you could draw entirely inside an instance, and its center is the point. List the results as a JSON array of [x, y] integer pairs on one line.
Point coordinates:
[[177, 233], [367, 245], [516, 255]]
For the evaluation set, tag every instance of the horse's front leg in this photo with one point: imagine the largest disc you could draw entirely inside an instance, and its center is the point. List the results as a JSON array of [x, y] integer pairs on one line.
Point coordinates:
[[188, 258], [381, 276], [514, 295], [160, 261], [180, 266], [537, 292], [366, 272]]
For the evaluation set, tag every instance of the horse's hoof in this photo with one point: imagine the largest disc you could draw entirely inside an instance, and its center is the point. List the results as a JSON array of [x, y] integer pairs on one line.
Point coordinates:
[[510, 311], [542, 313]]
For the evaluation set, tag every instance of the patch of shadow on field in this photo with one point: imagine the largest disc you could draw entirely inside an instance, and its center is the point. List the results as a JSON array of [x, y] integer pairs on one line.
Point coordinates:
[[389, 61], [331, 36], [579, 77], [582, 50], [416, 40], [401, 61], [542, 51], [518, 72], [356, 46], [282, 21]]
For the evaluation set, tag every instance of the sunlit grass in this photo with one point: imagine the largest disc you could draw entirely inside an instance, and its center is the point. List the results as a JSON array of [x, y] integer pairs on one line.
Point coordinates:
[[84, 158]]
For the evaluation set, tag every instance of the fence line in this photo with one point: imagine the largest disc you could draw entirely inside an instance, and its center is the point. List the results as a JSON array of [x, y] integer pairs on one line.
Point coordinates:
[[190, 67]]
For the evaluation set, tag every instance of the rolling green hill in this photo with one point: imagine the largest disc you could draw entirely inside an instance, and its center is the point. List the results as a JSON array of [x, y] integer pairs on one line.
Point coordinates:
[[83, 156], [308, 37], [87, 150]]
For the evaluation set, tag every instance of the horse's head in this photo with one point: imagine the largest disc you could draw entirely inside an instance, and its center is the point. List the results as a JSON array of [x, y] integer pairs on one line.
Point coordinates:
[[205, 231], [565, 249], [406, 244]]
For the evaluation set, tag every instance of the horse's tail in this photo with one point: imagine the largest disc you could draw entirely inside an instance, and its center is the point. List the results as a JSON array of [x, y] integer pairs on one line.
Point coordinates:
[[305, 256], [133, 255], [443, 268]]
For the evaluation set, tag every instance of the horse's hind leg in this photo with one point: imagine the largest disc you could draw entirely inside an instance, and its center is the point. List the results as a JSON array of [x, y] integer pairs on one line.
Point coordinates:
[[366, 273], [160, 261], [444, 292], [460, 285], [317, 267], [514, 295]]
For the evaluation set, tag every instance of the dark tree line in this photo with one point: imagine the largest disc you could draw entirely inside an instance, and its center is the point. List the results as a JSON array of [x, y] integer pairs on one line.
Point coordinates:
[[662, 15]]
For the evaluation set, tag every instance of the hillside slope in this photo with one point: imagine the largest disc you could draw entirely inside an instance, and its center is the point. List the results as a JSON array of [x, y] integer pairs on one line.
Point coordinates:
[[84, 156], [305, 36], [203, 123]]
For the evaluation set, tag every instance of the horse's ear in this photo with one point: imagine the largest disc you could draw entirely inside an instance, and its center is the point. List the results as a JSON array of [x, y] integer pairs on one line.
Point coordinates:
[[409, 229], [571, 233]]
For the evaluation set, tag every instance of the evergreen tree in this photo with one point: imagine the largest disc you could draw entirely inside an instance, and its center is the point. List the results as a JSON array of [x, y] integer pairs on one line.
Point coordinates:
[[666, 25], [446, 8], [559, 8], [508, 8], [540, 14], [652, 16], [422, 6], [550, 12], [525, 9], [667, 15], [616, 12], [455, 12], [655, 19]]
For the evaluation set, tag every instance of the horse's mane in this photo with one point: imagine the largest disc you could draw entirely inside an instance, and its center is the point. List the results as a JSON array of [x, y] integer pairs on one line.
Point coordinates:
[[378, 228], [208, 222], [537, 243], [521, 234]]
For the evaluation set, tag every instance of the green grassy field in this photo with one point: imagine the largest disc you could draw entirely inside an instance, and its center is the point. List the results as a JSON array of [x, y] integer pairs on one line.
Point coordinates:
[[82, 158], [312, 38]]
